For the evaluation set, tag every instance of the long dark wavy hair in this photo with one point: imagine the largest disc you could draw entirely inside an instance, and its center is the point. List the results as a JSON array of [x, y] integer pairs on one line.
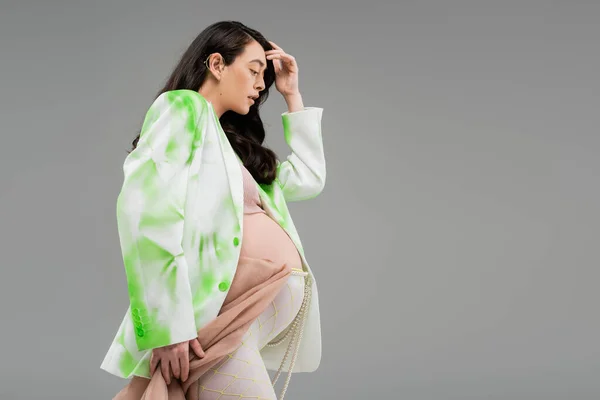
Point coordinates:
[[246, 133]]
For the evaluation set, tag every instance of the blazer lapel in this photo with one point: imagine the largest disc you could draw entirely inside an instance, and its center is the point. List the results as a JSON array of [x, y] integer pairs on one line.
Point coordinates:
[[234, 172], [233, 165]]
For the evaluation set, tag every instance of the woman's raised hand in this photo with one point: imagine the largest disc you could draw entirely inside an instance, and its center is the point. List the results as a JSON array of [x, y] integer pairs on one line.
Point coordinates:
[[174, 359]]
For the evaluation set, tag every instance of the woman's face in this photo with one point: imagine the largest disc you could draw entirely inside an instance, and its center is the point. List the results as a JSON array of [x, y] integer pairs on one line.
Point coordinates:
[[243, 79]]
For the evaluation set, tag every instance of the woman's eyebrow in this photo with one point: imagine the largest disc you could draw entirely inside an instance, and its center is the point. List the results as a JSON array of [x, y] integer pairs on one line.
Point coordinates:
[[262, 64]]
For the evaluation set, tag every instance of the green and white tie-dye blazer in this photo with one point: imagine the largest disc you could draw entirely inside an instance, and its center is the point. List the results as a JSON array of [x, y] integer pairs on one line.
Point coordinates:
[[180, 215]]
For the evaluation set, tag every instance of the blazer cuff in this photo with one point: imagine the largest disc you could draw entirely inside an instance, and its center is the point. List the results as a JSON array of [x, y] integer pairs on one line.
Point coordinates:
[[304, 111]]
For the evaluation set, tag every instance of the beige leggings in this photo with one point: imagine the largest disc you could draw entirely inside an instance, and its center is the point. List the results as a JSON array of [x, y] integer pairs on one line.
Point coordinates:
[[242, 374]]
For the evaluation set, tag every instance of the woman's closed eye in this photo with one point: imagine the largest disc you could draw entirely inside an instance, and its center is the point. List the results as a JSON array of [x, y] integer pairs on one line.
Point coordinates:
[[254, 72]]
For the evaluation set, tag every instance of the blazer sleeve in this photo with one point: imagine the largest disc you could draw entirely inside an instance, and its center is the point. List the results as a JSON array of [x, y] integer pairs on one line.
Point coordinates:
[[302, 175], [150, 216]]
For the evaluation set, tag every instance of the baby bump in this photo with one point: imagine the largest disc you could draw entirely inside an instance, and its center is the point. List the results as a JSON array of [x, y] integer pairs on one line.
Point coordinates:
[[264, 238]]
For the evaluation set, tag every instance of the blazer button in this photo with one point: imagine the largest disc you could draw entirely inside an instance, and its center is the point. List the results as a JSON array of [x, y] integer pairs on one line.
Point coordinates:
[[223, 286], [139, 332], [236, 241]]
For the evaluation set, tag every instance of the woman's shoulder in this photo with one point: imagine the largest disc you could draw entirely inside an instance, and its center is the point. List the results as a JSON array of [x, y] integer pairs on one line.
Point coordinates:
[[183, 100], [183, 107]]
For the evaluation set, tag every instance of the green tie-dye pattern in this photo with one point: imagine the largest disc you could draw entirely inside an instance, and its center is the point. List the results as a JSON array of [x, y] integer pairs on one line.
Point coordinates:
[[217, 245], [171, 150], [163, 193], [159, 333], [170, 275], [142, 367], [127, 362], [287, 131], [188, 106], [208, 283]]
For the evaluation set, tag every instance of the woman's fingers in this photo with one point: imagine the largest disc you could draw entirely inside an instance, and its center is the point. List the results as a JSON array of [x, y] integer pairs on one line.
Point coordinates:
[[181, 360], [176, 366], [284, 56], [153, 363], [174, 360], [276, 55], [185, 367], [195, 345], [279, 54], [164, 368], [271, 52]]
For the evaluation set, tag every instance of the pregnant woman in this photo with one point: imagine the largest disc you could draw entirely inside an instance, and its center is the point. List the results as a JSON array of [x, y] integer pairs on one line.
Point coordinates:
[[202, 213]]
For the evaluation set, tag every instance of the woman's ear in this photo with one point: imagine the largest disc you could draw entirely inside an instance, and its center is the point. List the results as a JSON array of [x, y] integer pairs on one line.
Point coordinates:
[[216, 65], [221, 67]]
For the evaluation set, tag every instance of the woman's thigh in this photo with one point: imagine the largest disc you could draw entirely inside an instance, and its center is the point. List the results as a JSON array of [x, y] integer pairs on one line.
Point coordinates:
[[242, 373], [280, 313]]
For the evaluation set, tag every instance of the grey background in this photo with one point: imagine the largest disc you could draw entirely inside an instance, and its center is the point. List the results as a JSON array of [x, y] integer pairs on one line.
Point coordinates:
[[455, 244]]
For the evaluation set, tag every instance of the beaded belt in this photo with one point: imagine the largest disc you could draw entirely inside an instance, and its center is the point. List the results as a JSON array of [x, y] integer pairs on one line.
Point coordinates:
[[295, 328]]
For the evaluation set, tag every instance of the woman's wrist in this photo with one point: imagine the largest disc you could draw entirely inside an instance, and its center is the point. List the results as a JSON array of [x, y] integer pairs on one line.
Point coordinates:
[[294, 102]]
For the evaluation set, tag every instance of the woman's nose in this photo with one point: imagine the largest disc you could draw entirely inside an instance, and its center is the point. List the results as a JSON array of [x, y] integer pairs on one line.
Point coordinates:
[[261, 85]]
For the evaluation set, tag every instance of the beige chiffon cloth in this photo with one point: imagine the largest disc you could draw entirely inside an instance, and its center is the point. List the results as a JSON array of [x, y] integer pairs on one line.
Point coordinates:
[[256, 283]]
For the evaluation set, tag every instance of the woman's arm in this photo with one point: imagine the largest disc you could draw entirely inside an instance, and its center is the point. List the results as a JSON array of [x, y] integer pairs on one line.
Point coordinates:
[[302, 175], [150, 216]]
